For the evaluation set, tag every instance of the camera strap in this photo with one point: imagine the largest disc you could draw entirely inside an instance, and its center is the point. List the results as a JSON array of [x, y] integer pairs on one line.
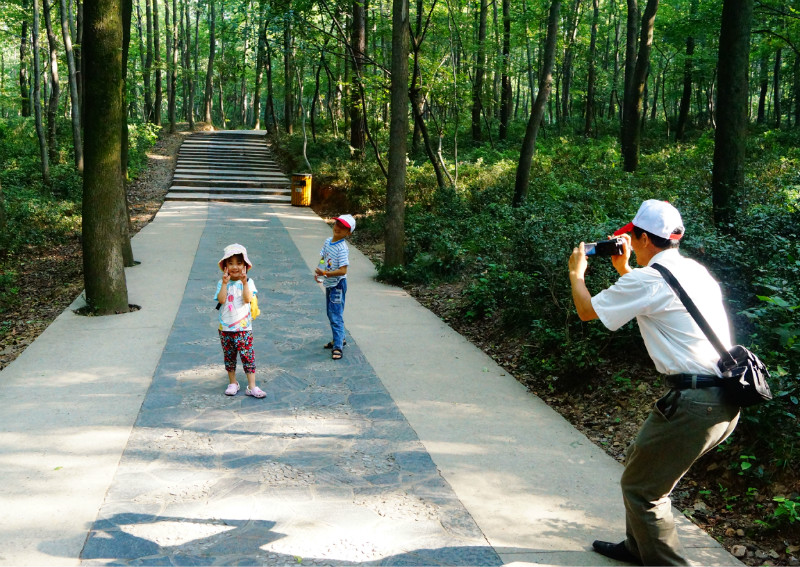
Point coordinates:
[[695, 313]]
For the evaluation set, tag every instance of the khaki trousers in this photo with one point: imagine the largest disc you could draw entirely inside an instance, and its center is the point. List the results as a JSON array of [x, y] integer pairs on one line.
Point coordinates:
[[683, 426]]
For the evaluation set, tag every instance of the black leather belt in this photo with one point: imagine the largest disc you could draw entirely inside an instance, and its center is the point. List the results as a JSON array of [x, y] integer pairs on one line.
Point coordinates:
[[693, 381]]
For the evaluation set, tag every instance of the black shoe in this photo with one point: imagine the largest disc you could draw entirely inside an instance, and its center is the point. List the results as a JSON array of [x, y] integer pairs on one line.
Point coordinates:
[[616, 551]]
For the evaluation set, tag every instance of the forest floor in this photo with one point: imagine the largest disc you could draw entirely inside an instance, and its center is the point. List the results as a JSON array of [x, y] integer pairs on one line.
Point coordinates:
[[713, 494]]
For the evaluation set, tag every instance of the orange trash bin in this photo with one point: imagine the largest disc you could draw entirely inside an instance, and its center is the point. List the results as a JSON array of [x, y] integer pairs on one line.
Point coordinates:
[[301, 189]]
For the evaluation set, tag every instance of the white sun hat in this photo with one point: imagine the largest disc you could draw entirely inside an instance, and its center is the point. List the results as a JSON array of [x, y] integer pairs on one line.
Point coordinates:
[[233, 250]]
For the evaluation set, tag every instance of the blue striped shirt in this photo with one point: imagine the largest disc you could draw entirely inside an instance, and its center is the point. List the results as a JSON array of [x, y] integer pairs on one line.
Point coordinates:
[[334, 255]]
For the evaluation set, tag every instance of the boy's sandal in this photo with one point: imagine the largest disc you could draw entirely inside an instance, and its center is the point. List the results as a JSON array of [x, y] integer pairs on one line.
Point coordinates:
[[256, 392], [336, 354], [330, 345], [232, 389]]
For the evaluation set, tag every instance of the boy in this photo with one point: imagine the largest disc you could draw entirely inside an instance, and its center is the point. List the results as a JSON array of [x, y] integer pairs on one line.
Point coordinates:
[[333, 268]]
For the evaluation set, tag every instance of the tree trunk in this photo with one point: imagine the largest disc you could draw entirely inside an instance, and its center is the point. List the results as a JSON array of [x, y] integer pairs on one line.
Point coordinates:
[[398, 133], [77, 142], [124, 222], [148, 65], [195, 72], [358, 40], [631, 28], [168, 58], [537, 109], [480, 71], [288, 72], [103, 193], [416, 77], [187, 65], [776, 88], [569, 51], [37, 99], [79, 70], [212, 47], [262, 41], [270, 121], [127, 14], [505, 81], [686, 97], [173, 76], [52, 106], [796, 83], [157, 103], [763, 89], [142, 50], [732, 104], [24, 93], [613, 101], [632, 110], [590, 88]]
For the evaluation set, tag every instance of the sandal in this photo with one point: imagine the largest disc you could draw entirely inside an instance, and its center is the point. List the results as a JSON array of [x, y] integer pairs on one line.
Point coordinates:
[[336, 354], [232, 389], [256, 392], [330, 345]]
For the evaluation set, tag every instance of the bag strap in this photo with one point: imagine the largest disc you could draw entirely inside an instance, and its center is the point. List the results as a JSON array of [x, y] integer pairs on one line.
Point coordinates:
[[696, 315]]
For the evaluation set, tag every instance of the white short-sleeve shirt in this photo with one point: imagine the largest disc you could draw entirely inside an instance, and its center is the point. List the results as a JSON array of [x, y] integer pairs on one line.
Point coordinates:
[[234, 314], [673, 340]]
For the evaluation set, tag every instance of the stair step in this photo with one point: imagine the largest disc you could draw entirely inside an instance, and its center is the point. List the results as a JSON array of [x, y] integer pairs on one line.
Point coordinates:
[[228, 197]]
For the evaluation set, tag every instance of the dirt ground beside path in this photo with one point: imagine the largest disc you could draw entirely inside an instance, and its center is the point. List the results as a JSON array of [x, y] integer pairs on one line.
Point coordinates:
[[53, 278], [712, 493]]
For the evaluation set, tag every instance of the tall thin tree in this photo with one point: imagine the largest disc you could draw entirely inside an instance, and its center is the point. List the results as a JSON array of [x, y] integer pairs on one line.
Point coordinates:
[[727, 177], [24, 79], [358, 47], [480, 73], [688, 68], [505, 80], [157, 103], [212, 49], [632, 109], [37, 99], [398, 134], [75, 114], [148, 64], [55, 88], [538, 108]]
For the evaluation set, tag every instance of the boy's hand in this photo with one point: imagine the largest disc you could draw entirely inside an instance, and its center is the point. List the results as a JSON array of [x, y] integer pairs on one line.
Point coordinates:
[[318, 271]]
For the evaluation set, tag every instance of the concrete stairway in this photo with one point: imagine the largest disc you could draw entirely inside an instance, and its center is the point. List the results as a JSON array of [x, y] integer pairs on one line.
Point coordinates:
[[228, 165]]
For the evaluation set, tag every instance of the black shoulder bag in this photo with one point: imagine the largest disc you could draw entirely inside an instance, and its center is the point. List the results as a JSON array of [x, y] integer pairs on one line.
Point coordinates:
[[744, 375]]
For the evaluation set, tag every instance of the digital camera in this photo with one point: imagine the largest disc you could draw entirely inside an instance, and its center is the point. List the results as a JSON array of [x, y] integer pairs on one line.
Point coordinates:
[[613, 247]]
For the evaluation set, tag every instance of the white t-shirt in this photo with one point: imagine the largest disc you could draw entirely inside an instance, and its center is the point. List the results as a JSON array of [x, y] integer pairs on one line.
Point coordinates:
[[234, 315], [673, 340]]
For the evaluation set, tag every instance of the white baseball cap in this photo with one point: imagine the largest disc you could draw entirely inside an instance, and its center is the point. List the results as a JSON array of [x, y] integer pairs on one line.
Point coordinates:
[[658, 218], [348, 221]]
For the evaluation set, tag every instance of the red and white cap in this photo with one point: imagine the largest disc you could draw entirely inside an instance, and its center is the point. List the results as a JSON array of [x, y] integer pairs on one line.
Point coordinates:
[[658, 218], [348, 221]]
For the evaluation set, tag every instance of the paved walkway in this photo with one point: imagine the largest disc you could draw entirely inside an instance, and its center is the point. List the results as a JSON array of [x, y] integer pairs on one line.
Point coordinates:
[[415, 449]]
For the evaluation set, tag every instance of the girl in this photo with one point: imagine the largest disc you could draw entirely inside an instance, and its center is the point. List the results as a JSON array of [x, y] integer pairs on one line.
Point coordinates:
[[234, 293]]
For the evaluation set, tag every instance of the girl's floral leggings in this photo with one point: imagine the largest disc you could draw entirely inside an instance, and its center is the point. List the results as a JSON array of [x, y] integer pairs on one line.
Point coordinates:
[[238, 342]]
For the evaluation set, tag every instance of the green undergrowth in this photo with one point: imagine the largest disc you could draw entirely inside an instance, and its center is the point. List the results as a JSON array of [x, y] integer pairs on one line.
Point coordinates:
[[511, 263], [36, 216]]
